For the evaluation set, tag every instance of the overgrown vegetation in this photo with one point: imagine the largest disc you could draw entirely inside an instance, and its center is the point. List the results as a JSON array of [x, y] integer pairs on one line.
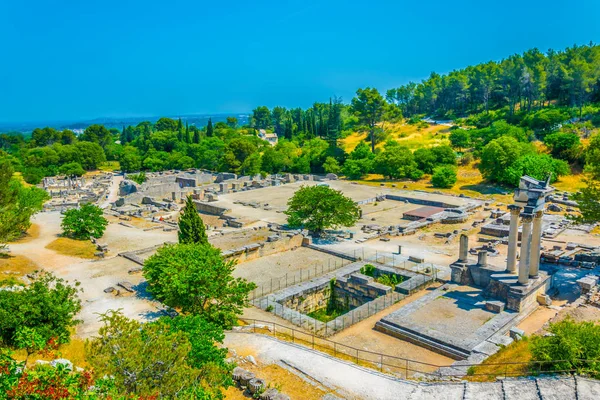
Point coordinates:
[[385, 279], [138, 178]]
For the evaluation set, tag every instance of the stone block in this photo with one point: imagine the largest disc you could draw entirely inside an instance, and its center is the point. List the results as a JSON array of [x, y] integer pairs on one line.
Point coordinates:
[[516, 333], [544, 300], [495, 306]]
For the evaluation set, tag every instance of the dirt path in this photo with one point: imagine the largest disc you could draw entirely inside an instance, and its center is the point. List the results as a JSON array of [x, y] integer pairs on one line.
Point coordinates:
[[113, 193], [349, 381]]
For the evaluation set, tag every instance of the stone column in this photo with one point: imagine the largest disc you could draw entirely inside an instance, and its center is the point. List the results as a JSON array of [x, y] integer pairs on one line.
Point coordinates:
[[525, 246], [513, 236], [482, 258], [463, 252], [536, 238]]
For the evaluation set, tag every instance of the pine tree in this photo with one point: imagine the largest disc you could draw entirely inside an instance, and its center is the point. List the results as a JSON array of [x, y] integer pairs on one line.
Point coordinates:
[[191, 227], [209, 128]]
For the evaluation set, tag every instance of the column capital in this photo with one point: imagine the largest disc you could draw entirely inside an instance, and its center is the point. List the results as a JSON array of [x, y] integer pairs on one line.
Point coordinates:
[[538, 214], [527, 218], [514, 209]]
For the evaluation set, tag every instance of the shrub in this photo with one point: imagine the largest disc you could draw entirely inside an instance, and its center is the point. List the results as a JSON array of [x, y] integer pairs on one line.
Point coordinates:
[[444, 177]]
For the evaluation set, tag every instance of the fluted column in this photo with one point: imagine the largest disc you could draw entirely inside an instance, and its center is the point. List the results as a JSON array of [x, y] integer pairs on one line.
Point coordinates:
[[525, 246], [513, 235], [536, 238]]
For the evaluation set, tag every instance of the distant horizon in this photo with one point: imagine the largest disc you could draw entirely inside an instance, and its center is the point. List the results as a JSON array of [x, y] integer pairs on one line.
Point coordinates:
[[144, 58]]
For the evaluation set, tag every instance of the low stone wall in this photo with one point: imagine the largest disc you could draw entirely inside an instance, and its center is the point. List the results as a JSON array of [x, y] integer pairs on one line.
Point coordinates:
[[263, 249], [211, 209]]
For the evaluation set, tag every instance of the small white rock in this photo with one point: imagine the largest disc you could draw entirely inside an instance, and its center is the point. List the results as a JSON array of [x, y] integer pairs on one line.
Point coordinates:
[[251, 359]]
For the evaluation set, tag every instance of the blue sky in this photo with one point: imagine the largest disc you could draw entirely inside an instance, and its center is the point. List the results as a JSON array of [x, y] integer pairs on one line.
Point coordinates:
[[65, 60]]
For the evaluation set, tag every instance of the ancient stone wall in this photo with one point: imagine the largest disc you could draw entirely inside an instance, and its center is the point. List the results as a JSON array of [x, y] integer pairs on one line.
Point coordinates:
[[263, 249]]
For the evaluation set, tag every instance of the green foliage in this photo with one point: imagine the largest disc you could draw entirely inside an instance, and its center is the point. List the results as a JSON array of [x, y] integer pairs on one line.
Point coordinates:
[[319, 207], [196, 279], [71, 169], [17, 204], [43, 310], [538, 166], [191, 226], [161, 358], [570, 343], [395, 161], [444, 177], [460, 139], [332, 166], [499, 155], [85, 222], [138, 178], [368, 269], [370, 108], [390, 280], [565, 146]]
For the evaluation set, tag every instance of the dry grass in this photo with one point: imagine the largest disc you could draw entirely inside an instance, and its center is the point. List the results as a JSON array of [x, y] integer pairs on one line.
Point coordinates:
[[516, 352], [570, 183], [281, 379], [74, 248], [13, 268], [32, 233], [410, 136], [110, 166], [470, 183], [73, 351]]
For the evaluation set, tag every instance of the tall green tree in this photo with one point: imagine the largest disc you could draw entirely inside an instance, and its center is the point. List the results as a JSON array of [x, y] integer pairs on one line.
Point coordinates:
[[196, 279], [191, 226], [317, 208], [209, 128], [369, 106]]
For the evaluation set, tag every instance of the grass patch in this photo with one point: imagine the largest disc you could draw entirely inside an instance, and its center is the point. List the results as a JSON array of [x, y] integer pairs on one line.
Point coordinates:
[[411, 136], [325, 315], [73, 351], [74, 248], [13, 268], [516, 352], [109, 166]]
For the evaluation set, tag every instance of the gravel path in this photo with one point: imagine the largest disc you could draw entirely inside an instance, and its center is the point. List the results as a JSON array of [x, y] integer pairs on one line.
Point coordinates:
[[352, 382]]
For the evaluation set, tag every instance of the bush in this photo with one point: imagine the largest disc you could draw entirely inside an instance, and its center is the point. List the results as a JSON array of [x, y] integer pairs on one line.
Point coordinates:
[[570, 342], [444, 177], [138, 178], [84, 222]]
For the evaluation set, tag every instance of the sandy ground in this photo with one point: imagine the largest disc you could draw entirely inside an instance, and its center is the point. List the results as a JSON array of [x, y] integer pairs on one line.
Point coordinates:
[[95, 276], [296, 264]]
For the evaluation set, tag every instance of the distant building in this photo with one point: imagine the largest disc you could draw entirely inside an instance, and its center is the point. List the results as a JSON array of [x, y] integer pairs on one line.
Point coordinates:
[[269, 137]]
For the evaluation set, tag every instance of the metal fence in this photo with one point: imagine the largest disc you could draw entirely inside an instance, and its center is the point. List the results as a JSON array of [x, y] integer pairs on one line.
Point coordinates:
[[344, 258], [406, 368], [324, 329]]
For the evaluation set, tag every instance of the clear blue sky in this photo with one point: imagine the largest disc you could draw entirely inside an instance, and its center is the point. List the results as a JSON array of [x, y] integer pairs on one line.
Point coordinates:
[[85, 59]]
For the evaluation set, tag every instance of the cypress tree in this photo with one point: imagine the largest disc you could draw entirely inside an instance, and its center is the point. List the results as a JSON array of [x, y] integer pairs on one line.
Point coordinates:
[[191, 227], [196, 136], [209, 128], [186, 137]]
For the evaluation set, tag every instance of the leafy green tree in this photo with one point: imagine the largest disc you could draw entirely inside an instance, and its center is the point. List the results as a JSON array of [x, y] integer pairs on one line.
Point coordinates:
[[48, 305], [196, 279], [425, 159], [538, 166], [444, 155], [319, 207], [97, 134], [85, 222], [261, 117], [460, 139], [166, 124], [332, 166], [149, 359], [370, 107], [191, 226], [90, 155], [565, 146], [17, 204], [232, 122], [395, 161], [71, 169], [130, 160], [444, 177], [499, 155]]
